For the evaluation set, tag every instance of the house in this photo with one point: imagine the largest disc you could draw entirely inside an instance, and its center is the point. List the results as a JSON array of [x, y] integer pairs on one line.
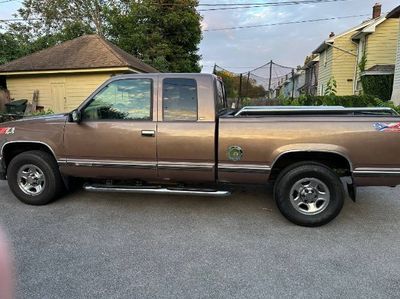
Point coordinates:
[[376, 53], [311, 67], [396, 82], [371, 44], [68, 73], [290, 86]]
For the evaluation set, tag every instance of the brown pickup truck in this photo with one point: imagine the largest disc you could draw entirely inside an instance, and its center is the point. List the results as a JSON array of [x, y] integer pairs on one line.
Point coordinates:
[[174, 134]]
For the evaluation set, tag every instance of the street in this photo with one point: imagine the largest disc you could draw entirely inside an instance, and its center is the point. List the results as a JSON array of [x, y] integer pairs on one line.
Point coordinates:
[[90, 245]]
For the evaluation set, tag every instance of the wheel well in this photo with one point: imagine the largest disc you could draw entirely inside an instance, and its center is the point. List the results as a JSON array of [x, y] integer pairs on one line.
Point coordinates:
[[337, 162], [13, 149]]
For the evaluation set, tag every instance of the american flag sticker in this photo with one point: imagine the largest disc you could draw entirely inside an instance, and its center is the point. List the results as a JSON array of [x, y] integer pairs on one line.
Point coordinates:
[[384, 127]]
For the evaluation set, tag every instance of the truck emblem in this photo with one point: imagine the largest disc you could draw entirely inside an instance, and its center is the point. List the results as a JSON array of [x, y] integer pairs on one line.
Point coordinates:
[[7, 131], [235, 153], [384, 127]]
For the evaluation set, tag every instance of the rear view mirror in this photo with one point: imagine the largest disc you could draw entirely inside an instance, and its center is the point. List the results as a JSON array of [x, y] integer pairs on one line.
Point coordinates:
[[76, 116]]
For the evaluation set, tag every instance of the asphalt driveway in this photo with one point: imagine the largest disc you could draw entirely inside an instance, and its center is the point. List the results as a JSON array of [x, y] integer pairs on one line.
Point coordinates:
[[89, 245]]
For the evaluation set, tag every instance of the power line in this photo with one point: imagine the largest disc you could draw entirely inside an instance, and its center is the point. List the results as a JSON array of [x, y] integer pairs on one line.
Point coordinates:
[[225, 6], [18, 20], [5, 1], [262, 3], [268, 4], [285, 23]]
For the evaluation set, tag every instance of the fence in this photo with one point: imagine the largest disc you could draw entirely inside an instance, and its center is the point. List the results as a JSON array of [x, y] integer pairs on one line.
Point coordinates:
[[256, 87]]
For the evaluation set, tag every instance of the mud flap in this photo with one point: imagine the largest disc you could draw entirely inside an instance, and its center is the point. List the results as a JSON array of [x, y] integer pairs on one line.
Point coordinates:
[[352, 190]]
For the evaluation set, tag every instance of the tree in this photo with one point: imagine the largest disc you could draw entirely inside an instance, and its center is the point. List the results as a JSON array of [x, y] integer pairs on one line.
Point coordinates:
[[331, 86], [54, 16], [165, 34], [12, 47]]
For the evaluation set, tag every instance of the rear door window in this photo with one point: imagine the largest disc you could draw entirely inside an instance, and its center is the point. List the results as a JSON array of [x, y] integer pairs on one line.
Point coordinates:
[[179, 99]]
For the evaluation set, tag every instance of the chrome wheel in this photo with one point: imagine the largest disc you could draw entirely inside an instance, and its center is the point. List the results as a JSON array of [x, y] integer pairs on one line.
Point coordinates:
[[31, 180], [309, 196]]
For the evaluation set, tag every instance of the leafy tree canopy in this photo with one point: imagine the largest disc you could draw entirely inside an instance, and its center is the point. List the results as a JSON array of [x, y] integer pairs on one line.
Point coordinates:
[[163, 33]]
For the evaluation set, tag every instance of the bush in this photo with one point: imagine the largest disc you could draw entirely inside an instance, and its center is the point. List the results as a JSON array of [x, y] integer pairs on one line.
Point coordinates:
[[345, 101], [43, 112], [379, 86]]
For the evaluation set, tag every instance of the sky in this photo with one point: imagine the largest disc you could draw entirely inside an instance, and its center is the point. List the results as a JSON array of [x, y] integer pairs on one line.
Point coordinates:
[[241, 50]]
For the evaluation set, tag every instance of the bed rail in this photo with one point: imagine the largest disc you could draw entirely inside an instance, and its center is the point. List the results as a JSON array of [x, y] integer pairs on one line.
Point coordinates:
[[314, 110]]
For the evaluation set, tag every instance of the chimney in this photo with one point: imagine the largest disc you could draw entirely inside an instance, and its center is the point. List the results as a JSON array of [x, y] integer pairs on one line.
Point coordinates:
[[332, 34], [376, 10]]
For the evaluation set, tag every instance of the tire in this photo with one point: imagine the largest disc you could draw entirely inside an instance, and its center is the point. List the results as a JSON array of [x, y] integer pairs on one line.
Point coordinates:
[[39, 170], [309, 194]]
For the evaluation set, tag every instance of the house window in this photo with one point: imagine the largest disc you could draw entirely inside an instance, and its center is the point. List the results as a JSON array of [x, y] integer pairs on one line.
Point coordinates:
[[129, 99], [179, 99]]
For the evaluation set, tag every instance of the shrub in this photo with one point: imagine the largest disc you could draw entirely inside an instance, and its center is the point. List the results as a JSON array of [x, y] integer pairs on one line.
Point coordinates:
[[43, 112], [345, 101], [379, 86]]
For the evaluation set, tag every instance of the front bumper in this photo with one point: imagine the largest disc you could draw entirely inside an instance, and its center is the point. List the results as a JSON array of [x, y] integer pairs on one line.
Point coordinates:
[[2, 170]]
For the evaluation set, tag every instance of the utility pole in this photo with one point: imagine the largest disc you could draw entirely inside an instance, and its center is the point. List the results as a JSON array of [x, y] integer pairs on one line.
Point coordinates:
[[247, 84], [240, 92], [292, 84], [215, 69], [270, 79]]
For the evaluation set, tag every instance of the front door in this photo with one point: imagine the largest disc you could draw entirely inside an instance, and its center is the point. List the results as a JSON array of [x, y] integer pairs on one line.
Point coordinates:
[[58, 97], [116, 138]]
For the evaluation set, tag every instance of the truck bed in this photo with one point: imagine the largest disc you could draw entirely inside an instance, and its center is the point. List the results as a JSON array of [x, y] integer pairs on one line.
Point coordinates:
[[365, 137]]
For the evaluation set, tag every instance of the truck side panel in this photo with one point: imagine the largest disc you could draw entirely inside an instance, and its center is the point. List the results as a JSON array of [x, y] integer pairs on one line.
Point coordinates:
[[372, 154]]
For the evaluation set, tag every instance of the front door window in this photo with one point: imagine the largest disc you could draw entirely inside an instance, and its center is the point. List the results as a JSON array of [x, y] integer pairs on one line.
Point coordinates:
[[122, 100]]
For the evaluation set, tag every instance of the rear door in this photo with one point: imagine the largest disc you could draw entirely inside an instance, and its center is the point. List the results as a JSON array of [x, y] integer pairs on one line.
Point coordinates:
[[186, 130], [117, 135]]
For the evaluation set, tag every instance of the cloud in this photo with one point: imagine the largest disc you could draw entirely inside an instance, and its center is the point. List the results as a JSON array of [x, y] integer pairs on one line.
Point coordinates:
[[286, 44]]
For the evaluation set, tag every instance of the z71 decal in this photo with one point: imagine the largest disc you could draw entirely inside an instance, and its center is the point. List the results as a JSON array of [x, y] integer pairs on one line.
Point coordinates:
[[7, 131], [383, 127]]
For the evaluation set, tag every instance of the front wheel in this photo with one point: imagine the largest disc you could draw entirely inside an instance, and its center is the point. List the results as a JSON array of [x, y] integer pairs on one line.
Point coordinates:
[[309, 194], [34, 178]]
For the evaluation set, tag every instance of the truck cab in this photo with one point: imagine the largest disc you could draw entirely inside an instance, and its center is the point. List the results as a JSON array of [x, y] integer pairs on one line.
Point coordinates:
[[158, 127]]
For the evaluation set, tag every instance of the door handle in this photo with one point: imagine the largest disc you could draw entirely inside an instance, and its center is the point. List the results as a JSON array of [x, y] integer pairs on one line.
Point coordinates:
[[148, 133]]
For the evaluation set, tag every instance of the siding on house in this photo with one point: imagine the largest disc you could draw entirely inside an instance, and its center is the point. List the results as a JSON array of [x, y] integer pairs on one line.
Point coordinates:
[[344, 64], [77, 88], [396, 85], [381, 46], [325, 69]]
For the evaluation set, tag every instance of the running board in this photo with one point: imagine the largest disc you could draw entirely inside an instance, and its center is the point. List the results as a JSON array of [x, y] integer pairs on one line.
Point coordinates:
[[155, 190]]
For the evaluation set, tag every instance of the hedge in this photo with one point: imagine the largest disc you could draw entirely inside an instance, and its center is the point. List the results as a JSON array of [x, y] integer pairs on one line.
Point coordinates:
[[379, 86], [345, 101]]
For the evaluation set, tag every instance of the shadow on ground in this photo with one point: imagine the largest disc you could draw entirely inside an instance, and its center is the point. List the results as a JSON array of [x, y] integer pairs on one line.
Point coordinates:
[[147, 246]]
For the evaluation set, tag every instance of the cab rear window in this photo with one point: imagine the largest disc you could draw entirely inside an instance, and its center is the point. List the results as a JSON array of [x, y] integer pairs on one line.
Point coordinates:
[[179, 99]]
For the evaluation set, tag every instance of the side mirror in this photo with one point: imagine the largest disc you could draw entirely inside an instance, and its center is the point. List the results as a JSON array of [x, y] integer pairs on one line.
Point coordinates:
[[76, 116]]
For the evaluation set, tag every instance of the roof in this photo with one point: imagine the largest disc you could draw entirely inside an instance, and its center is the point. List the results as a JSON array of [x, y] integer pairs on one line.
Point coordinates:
[[311, 62], [369, 29], [326, 43], [395, 13], [85, 52], [380, 69]]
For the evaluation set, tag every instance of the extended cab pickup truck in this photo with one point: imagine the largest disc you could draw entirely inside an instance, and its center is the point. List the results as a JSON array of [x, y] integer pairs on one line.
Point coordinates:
[[174, 134]]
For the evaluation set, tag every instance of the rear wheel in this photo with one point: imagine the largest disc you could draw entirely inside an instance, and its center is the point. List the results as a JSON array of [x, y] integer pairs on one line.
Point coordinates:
[[34, 178], [309, 194]]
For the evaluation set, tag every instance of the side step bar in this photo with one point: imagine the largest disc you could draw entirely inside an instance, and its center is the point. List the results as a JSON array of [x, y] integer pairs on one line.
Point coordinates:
[[155, 190]]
